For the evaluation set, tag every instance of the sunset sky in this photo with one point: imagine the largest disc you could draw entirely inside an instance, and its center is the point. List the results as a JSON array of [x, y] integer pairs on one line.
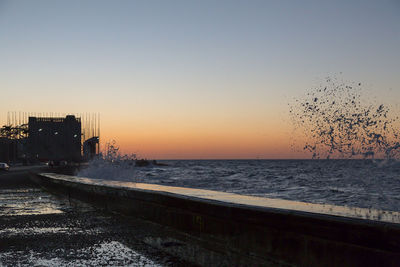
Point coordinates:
[[193, 79]]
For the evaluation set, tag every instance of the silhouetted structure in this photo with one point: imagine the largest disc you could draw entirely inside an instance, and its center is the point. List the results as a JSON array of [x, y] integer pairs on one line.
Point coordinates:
[[55, 138], [91, 148], [8, 150], [13, 143], [29, 137]]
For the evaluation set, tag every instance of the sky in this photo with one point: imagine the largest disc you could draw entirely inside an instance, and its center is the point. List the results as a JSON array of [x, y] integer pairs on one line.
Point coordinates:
[[192, 79]]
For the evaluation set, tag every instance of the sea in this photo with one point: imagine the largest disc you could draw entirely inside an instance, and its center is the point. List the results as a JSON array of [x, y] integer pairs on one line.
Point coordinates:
[[356, 183]]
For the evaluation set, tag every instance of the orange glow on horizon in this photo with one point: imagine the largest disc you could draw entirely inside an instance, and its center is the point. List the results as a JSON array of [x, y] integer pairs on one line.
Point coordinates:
[[212, 142]]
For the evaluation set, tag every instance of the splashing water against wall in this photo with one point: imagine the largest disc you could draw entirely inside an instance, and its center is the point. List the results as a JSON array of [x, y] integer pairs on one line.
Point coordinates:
[[111, 165], [337, 121]]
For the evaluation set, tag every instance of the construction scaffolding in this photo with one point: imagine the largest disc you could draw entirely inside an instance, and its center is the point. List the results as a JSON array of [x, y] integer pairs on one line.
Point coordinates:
[[14, 135]]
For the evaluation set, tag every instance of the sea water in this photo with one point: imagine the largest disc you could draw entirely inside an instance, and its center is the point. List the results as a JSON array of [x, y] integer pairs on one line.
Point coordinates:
[[357, 183]]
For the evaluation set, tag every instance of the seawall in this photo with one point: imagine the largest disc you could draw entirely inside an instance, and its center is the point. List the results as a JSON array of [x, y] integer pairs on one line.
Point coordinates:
[[217, 229]]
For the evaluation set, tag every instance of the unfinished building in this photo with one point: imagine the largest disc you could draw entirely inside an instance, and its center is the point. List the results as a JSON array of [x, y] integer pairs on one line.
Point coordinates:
[[55, 138], [32, 137]]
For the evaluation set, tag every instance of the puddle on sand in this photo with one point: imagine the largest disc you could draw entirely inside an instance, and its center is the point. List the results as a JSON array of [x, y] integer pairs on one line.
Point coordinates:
[[111, 253], [28, 202], [33, 231]]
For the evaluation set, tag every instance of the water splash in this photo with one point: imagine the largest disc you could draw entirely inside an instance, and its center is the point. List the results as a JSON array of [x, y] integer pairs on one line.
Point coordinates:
[[116, 169], [337, 121], [111, 165]]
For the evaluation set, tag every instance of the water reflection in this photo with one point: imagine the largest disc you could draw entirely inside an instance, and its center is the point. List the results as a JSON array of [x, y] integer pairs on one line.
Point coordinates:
[[28, 202]]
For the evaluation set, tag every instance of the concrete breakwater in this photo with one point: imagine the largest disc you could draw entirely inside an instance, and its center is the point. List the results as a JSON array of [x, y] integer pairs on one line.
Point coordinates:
[[215, 228]]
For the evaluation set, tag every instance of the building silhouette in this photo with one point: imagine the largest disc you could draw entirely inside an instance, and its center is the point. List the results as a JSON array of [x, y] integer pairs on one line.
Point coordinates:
[[54, 139], [29, 137]]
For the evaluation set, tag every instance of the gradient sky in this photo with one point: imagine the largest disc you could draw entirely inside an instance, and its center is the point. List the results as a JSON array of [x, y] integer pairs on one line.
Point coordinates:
[[192, 79]]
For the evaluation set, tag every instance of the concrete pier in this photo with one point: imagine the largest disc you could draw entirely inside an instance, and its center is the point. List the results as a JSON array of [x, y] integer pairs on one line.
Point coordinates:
[[221, 229]]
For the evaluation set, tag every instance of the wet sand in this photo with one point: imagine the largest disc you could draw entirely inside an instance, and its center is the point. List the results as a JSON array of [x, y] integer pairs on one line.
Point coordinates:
[[37, 228]]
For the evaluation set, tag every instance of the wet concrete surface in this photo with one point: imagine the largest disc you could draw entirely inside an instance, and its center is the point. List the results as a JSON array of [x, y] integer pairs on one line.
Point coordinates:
[[242, 200], [40, 229]]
